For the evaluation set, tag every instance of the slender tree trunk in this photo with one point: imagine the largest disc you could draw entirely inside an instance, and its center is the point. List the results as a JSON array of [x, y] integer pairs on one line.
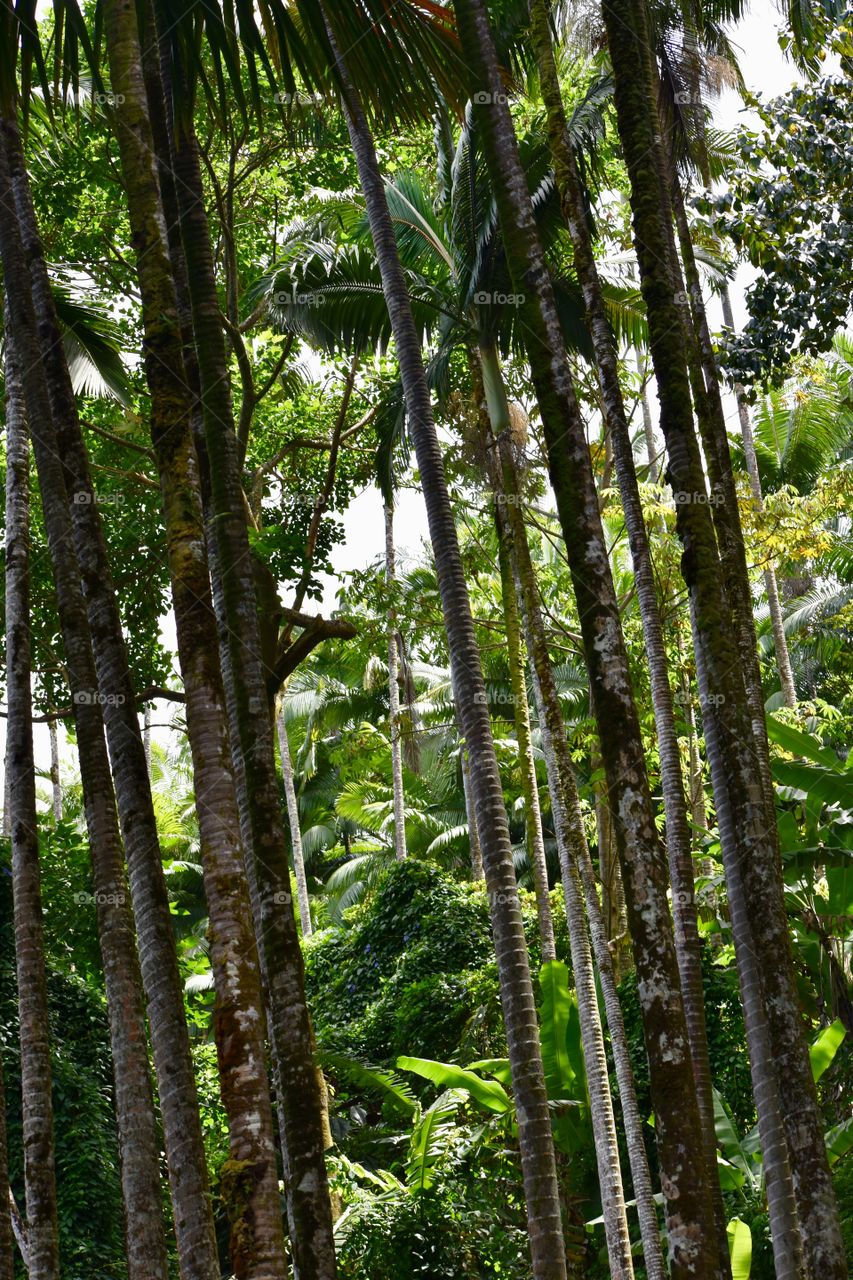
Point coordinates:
[[295, 831], [498, 417], [610, 877], [115, 694], [535, 1141], [730, 715], [813, 1190], [686, 1187], [250, 1178], [575, 859], [394, 696], [146, 735], [290, 1026], [139, 1143], [7, 1237], [592, 1035], [471, 816], [55, 780], [678, 845], [780, 642], [36, 1093]]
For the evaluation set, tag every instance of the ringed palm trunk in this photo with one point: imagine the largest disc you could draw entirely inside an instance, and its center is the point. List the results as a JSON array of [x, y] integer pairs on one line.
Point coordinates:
[[749, 848], [36, 1091], [290, 1027], [394, 697], [250, 1178], [535, 1141], [771, 586], [678, 844], [114, 692], [575, 862], [686, 1188], [139, 1143], [295, 830]]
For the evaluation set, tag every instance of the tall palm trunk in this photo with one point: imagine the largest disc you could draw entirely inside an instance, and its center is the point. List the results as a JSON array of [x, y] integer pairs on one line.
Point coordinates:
[[295, 830], [497, 418], [250, 1180], [55, 779], [535, 1141], [685, 1182], [749, 848], [575, 860], [139, 1143], [36, 1093], [394, 696], [290, 1027], [678, 844], [115, 694], [526, 761], [780, 641], [7, 1235], [471, 818]]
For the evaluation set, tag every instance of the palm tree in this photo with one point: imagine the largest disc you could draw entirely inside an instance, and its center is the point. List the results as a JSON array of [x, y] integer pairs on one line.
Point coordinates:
[[741, 789], [36, 1098], [678, 844], [252, 729], [577, 869], [50, 400], [257, 1240], [295, 829], [535, 1142], [394, 695], [686, 1187], [7, 1240]]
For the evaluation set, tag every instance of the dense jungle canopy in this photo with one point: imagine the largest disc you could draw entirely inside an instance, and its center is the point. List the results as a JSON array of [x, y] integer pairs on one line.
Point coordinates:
[[427, 690]]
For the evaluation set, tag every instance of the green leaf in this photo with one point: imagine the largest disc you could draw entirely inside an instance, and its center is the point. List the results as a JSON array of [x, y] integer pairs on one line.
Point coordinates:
[[381, 1079], [821, 784], [801, 744], [825, 1048], [740, 1248], [497, 1067], [565, 1076], [839, 1140], [490, 1094], [430, 1135], [727, 1136]]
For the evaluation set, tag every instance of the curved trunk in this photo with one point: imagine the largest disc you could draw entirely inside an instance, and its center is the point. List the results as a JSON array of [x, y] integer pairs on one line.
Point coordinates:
[[528, 1082], [250, 1177], [574, 860], [726, 668], [115, 694], [394, 697], [295, 832], [290, 1028], [685, 1182], [36, 1094], [678, 844]]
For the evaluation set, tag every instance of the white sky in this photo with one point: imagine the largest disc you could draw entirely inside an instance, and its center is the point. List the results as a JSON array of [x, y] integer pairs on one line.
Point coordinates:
[[766, 72]]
